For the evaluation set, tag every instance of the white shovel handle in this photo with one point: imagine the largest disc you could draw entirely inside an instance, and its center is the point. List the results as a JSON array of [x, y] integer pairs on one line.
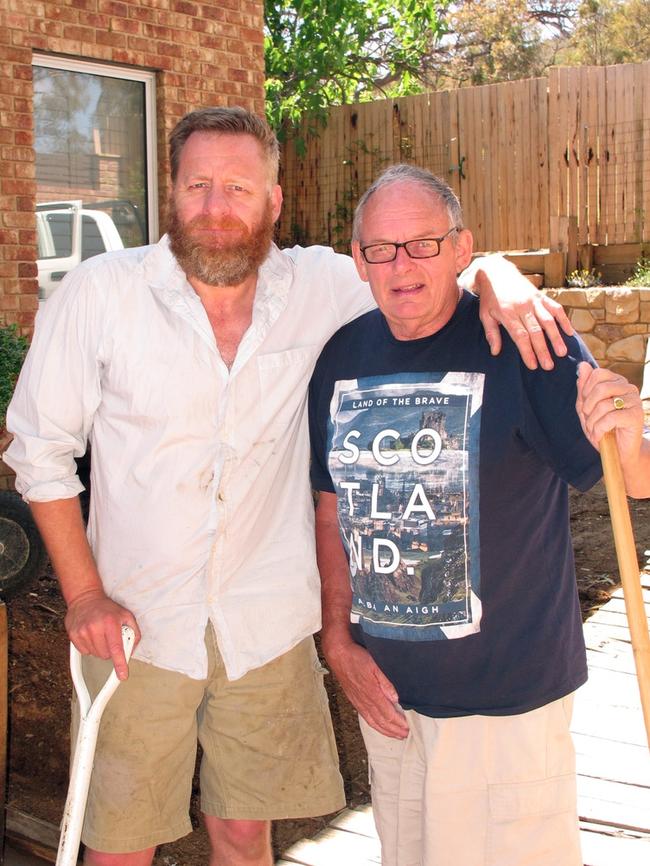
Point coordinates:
[[82, 764]]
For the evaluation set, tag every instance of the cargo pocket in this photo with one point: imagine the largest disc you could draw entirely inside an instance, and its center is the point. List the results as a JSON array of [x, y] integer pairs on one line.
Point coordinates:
[[534, 823]]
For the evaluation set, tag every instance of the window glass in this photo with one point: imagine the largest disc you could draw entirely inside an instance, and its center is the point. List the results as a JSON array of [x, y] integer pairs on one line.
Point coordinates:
[[93, 162]]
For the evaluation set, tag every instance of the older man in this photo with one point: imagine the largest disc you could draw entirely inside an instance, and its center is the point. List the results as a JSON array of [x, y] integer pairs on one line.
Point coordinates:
[[186, 364], [450, 610]]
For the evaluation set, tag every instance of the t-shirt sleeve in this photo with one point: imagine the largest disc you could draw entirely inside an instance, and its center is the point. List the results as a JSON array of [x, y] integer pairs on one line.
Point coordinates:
[[552, 426], [320, 392]]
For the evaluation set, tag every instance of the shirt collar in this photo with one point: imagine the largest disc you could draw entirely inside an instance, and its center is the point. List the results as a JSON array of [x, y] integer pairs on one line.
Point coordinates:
[[164, 274]]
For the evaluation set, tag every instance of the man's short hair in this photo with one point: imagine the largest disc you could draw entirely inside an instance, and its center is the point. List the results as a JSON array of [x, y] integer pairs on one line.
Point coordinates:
[[411, 174], [228, 121]]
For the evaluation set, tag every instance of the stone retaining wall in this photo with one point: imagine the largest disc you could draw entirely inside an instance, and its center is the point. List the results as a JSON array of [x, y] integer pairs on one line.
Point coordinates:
[[614, 322]]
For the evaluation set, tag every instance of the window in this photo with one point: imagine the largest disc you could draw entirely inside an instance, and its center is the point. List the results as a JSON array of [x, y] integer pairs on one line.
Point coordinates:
[[95, 161]]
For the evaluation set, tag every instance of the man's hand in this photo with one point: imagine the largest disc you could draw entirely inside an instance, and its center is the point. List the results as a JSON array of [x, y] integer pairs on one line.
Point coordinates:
[[368, 690], [94, 625], [509, 299], [607, 401], [600, 391]]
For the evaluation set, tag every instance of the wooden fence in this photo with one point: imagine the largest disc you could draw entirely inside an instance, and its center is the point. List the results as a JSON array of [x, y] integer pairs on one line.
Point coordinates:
[[545, 163]]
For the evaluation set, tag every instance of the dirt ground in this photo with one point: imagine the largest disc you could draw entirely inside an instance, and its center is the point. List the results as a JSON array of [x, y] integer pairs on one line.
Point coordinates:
[[39, 687]]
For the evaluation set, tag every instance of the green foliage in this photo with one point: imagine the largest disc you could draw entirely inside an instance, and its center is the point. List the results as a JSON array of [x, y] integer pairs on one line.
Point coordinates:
[[584, 279], [641, 275], [13, 348], [326, 52]]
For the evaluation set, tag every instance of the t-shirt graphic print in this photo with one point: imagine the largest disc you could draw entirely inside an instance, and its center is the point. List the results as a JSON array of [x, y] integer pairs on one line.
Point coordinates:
[[403, 454]]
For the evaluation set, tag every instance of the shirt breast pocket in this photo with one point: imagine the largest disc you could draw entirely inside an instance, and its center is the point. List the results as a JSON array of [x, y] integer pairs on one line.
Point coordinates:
[[284, 379]]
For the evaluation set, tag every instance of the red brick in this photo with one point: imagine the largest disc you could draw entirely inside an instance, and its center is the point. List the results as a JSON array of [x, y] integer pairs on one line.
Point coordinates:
[[48, 28], [157, 61], [116, 40], [24, 136], [126, 25], [16, 21], [214, 13], [60, 12], [23, 72], [38, 43], [27, 236], [8, 237], [18, 254], [138, 43], [142, 14], [185, 8], [77, 33], [16, 187], [119, 10], [17, 55], [29, 301], [8, 270], [171, 49], [238, 75], [9, 302], [19, 220], [17, 154], [94, 19], [28, 269], [26, 202]]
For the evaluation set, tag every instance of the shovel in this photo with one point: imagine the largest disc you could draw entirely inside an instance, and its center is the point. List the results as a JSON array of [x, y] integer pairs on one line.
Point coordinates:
[[82, 764], [629, 569]]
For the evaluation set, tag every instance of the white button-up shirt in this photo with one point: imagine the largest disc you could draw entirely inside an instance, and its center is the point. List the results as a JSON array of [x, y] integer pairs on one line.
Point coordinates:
[[201, 506]]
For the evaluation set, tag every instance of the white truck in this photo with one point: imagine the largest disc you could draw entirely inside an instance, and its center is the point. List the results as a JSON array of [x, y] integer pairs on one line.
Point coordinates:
[[69, 233]]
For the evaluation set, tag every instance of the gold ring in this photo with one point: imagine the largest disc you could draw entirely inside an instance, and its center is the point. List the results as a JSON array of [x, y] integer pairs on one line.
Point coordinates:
[[619, 403]]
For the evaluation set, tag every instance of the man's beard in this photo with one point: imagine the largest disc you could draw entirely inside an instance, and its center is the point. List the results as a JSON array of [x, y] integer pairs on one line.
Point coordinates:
[[231, 261]]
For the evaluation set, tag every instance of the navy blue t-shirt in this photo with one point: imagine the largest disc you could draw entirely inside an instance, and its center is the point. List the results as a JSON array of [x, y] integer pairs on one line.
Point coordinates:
[[451, 469]]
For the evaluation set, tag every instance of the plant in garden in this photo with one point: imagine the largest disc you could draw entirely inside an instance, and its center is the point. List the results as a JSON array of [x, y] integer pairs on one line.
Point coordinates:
[[641, 275], [13, 348], [584, 278]]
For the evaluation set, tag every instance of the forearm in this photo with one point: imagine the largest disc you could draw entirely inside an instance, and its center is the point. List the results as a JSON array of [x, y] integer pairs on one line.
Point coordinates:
[[497, 268], [636, 471], [336, 593], [62, 529]]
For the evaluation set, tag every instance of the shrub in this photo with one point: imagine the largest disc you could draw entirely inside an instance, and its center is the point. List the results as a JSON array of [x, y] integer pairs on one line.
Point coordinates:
[[13, 348], [584, 279], [641, 275]]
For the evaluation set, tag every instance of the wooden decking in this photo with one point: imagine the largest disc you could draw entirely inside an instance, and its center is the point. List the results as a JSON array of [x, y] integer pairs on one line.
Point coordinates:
[[612, 758]]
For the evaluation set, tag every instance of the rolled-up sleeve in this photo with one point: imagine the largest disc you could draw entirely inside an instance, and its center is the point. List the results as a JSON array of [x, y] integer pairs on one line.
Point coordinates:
[[57, 393]]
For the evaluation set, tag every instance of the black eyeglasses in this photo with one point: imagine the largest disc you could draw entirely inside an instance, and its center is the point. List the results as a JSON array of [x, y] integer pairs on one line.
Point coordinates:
[[420, 248]]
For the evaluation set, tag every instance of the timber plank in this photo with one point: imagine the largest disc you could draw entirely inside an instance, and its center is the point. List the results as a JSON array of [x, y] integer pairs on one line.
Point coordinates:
[[603, 846], [626, 806], [335, 846], [359, 821], [608, 759]]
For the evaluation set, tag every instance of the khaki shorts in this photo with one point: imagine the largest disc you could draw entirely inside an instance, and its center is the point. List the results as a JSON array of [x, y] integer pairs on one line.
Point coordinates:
[[477, 790], [268, 748]]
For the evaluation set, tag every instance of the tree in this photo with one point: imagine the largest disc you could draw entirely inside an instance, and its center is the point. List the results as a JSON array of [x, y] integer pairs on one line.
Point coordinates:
[[610, 31], [498, 40], [324, 52]]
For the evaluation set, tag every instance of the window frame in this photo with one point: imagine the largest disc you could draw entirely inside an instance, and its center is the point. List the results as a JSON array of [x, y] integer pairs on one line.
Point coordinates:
[[126, 73]]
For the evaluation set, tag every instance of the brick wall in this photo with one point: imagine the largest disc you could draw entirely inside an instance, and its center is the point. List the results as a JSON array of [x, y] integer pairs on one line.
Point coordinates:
[[204, 53]]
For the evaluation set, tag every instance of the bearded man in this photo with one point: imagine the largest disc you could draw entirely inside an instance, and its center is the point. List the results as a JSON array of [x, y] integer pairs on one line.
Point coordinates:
[[186, 366]]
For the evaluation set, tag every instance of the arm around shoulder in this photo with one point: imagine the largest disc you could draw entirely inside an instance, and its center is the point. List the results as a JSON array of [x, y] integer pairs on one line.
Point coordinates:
[[508, 298]]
